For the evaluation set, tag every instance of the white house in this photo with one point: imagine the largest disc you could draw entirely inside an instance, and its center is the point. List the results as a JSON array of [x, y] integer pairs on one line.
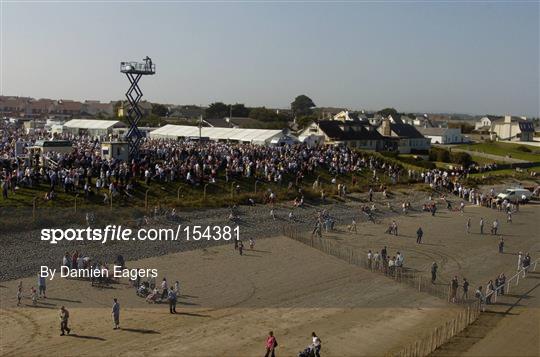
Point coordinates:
[[349, 133], [485, 122], [443, 135], [424, 121], [513, 129], [346, 115]]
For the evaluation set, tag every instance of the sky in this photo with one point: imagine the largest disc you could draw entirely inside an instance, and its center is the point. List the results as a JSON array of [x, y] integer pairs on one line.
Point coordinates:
[[416, 56]]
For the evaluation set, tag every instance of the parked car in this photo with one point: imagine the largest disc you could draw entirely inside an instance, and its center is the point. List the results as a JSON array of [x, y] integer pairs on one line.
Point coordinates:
[[515, 195]]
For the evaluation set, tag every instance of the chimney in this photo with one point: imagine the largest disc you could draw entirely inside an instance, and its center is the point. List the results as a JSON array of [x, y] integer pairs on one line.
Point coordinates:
[[386, 131]]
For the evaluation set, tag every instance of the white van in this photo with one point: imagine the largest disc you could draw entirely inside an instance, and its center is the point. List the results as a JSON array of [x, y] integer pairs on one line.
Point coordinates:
[[515, 195]]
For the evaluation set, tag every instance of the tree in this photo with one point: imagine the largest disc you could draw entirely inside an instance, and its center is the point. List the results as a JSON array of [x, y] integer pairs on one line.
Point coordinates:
[[461, 158], [305, 120], [302, 105], [265, 125], [240, 110], [160, 110], [267, 115], [439, 154], [217, 110], [387, 111]]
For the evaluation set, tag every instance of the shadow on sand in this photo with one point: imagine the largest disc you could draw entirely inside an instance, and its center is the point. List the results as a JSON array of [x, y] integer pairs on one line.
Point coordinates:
[[86, 337], [139, 330]]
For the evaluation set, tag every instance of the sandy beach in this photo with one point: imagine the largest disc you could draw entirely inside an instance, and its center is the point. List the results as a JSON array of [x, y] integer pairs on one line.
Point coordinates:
[[226, 306], [228, 302]]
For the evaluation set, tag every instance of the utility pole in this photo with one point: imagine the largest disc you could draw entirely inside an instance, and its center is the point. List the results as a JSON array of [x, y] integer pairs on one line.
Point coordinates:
[[200, 129]]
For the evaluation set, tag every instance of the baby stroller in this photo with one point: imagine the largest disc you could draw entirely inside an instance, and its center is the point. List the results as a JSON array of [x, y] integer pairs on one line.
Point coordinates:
[[143, 290], [310, 352]]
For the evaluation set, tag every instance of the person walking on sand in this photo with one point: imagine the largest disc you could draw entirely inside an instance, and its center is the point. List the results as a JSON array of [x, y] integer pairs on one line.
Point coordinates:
[[19, 295], [419, 234], [434, 268], [172, 301], [501, 245], [468, 225], [502, 280], [495, 227], [64, 320], [33, 295], [481, 225], [480, 295], [352, 227], [241, 248], [42, 286], [164, 289], [316, 345], [520, 259], [271, 344], [489, 292], [454, 286], [465, 286], [116, 313]]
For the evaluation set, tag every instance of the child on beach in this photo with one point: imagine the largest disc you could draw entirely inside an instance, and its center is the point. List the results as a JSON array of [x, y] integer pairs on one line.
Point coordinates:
[[241, 248], [19, 294], [33, 294], [251, 243]]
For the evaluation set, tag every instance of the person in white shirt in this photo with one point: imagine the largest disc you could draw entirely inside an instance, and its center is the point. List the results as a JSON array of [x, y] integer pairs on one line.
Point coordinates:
[[316, 345], [376, 260], [495, 227], [164, 289], [399, 259], [391, 265]]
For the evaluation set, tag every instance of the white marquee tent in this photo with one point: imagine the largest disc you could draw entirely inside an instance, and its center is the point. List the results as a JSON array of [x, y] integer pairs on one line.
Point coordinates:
[[91, 123], [93, 127], [255, 136]]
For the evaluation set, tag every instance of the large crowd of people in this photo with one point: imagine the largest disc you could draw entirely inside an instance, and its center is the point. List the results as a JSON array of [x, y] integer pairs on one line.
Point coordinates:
[[165, 160]]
